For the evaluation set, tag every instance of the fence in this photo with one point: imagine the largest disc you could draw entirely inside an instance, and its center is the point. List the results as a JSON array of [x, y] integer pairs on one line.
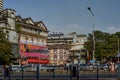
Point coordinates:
[[73, 72]]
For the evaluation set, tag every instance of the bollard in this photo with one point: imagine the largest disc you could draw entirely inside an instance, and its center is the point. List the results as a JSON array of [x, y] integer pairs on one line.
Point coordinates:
[[37, 72], [9, 70], [4, 71], [74, 71], [77, 72], [71, 71], [22, 71], [53, 72], [119, 71], [97, 72]]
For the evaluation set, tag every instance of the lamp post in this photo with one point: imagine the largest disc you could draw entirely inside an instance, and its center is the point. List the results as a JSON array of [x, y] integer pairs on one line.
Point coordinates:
[[92, 33], [118, 55]]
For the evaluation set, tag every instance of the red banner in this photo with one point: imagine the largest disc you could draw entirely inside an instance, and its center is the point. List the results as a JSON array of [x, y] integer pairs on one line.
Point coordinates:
[[32, 60]]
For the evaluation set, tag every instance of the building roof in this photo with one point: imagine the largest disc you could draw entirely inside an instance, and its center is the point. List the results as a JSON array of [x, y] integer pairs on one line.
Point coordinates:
[[38, 24]]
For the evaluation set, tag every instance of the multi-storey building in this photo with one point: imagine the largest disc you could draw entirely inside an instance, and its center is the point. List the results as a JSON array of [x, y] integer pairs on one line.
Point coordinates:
[[65, 50], [7, 24], [32, 41], [29, 42], [78, 52], [1, 5], [58, 46]]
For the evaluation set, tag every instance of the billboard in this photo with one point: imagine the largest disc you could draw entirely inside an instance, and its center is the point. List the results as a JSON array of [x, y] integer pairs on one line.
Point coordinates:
[[29, 50]]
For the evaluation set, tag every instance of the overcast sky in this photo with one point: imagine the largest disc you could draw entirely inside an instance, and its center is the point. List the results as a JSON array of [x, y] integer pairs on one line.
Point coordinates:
[[70, 15]]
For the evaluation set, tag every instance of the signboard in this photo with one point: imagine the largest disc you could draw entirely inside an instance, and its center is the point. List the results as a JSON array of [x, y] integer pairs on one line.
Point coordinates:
[[29, 50], [39, 61]]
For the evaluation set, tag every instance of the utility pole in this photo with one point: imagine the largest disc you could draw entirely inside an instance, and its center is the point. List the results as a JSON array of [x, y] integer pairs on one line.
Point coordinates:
[[92, 33], [118, 55]]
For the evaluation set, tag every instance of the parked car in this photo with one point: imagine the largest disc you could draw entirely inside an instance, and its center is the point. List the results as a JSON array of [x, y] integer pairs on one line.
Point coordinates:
[[86, 67], [89, 67], [50, 68], [104, 67], [15, 67], [82, 67]]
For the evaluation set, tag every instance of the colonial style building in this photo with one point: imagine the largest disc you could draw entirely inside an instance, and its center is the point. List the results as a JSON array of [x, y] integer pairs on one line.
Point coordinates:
[[78, 53], [59, 47], [65, 50], [32, 38], [28, 37], [1, 5], [7, 24]]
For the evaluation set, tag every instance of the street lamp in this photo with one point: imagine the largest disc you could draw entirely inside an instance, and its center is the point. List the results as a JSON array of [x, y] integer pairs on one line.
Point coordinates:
[[90, 10], [92, 33], [118, 48]]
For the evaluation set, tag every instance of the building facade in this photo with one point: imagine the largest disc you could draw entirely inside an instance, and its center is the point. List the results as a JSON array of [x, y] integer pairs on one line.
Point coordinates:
[[78, 52], [66, 50], [58, 46], [7, 24], [1, 5], [32, 38], [28, 38]]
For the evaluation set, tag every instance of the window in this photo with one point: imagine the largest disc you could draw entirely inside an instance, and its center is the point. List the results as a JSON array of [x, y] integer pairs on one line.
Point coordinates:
[[61, 57], [39, 31], [55, 50], [55, 57], [61, 50], [11, 23]]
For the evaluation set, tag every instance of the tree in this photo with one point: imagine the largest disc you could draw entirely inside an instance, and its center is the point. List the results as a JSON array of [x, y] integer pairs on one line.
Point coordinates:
[[105, 45], [5, 49]]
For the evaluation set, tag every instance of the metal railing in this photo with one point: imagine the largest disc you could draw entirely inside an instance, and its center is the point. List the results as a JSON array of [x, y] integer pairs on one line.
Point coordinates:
[[73, 72]]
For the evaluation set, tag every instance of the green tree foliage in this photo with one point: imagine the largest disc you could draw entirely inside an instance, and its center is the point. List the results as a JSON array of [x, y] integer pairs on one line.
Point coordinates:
[[105, 45], [5, 49]]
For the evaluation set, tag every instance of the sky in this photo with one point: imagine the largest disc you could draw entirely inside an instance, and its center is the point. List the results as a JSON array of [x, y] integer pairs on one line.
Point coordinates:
[[70, 15]]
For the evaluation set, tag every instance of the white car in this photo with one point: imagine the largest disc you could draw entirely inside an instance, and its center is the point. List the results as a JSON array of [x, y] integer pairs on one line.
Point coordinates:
[[15, 67], [46, 67]]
